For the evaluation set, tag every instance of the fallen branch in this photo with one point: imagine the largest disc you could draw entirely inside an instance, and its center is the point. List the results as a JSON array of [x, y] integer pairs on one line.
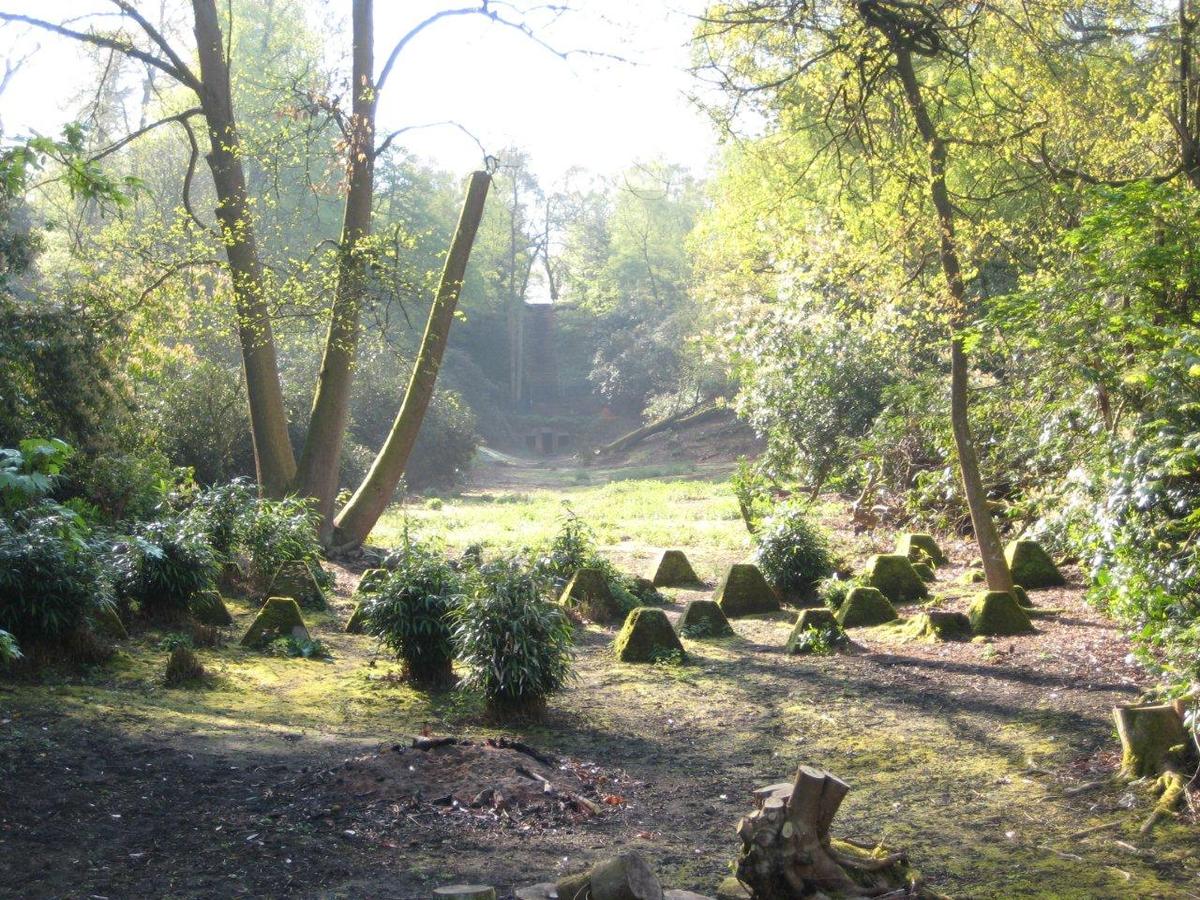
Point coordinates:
[[678, 420]]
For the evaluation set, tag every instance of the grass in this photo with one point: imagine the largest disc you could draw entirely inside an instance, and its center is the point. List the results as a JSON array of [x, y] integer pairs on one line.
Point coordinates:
[[632, 517]]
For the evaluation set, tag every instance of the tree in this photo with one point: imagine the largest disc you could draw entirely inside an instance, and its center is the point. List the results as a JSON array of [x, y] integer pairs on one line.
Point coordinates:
[[153, 46], [850, 76]]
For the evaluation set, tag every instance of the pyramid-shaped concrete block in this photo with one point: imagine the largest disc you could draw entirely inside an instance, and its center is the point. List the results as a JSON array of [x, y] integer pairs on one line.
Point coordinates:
[[279, 617], [1031, 566], [674, 570], [744, 592], [703, 619], [647, 636], [295, 579], [588, 594]]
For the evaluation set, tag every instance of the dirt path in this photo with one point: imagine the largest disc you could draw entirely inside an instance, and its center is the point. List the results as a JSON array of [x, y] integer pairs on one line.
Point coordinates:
[[964, 753]]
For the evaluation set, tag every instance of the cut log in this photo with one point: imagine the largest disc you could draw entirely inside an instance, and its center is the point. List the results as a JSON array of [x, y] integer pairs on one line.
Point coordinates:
[[1155, 744], [465, 892], [678, 420], [787, 850], [625, 877]]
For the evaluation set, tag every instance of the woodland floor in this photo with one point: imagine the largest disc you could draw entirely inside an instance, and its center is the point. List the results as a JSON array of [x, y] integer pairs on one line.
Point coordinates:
[[964, 753]]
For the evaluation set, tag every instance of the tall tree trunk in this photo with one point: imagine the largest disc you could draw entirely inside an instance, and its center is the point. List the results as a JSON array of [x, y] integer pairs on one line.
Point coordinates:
[[991, 551], [359, 516], [317, 475], [268, 420]]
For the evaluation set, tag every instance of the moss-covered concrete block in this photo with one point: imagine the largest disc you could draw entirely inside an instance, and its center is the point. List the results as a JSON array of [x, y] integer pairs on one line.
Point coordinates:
[[209, 609], [647, 636], [971, 576], [674, 570], [924, 572], [998, 613], [820, 618], [588, 594], [865, 606], [358, 618], [296, 580], [279, 617], [744, 592], [1031, 566], [940, 625], [371, 581], [921, 547], [1022, 596], [703, 619], [893, 576]]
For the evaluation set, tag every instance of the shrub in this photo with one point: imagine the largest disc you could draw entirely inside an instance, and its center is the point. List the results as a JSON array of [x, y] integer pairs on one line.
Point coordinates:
[[792, 552], [30, 471], [297, 648], [274, 532], [445, 446], [164, 566], [183, 667], [516, 645], [218, 512], [9, 651], [833, 591], [125, 485], [410, 612], [50, 575]]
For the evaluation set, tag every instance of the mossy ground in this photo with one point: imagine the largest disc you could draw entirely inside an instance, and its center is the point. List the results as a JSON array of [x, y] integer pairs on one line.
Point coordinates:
[[956, 752]]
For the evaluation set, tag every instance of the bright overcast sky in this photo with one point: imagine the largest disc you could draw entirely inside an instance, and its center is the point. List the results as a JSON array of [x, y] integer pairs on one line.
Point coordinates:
[[590, 111]]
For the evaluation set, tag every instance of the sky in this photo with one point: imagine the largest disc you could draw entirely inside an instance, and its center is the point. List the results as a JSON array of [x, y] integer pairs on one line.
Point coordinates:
[[624, 99]]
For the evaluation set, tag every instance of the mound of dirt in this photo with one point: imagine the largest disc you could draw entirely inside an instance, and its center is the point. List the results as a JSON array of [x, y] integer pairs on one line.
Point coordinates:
[[495, 783]]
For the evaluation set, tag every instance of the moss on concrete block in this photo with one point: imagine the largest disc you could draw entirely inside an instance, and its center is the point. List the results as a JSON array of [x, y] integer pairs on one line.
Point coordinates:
[[674, 570], [647, 636], [588, 594], [998, 613], [893, 575], [971, 576], [744, 592], [279, 617], [1032, 566], [296, 580], [371, 581], [703, 619], [865, 606], [920, 547], [357, 622], [924, 572], [209, 609], [939, 625]]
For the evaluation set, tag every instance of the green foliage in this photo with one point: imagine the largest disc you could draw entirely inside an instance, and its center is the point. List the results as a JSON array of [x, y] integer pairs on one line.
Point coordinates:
[[446, 444], [297, 648], [792, 552], [126, 486], [819, 641], [218, 513], [753, 492], [410, 612], [9, 651], [274, 532], [31, 471], [51, 574], [833, 591], [163, 566], [516, 645]]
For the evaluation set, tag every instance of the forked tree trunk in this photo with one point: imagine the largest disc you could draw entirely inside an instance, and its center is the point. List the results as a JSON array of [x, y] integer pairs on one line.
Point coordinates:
[[359, 516], [268, 419], [317, 475], [991, 551]]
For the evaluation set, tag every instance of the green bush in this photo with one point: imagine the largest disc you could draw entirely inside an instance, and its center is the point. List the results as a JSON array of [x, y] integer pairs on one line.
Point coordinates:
[[164, 566], [573, 548], [9, 651], [516, 645], [125, 486], [274, 532], [30, 471], [445, 446], [410, 612], [792, 552], [833, 591], [218, 513], [50, 575]]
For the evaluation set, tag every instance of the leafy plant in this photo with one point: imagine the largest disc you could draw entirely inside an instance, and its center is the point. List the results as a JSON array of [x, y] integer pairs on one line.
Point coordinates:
[[164, 566], [297, 648], [410, 612], [517, 646], [126, 486], [218, 513], [30, 472], [9, 651], [50, 575], [820, 641], [792, 552], [274, 532], [832, 591], [752, 490]]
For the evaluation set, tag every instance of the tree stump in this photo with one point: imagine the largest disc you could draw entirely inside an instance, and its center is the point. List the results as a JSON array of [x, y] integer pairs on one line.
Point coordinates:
[[787, 851], [1155, 744]]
